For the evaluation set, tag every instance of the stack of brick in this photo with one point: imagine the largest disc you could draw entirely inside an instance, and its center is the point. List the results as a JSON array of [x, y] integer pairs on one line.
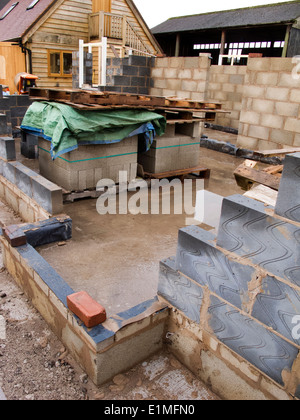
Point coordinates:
[[242, 287], [83, 168], [129, 75], [178, 148], [271, 105]]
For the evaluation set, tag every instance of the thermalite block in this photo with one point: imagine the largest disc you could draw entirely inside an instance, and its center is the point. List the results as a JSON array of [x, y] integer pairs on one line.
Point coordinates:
[[248, 229], [199, 259], [288, 202]]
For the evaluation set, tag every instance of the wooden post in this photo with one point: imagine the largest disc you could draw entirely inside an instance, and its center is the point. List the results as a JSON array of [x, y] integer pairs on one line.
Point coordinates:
[[101, 25], [223, 41], [177, 47], [81, 63], [124, 27], [103, 63], [286, 41]]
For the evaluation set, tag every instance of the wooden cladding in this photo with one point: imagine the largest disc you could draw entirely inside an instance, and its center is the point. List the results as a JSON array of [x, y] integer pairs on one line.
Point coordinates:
[[101, 6]]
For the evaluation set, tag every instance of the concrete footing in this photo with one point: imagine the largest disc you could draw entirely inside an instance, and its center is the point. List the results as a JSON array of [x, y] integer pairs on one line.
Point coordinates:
[[103, 351]]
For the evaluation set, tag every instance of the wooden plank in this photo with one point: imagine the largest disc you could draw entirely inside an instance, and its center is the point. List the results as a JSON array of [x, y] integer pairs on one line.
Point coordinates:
[[278, 152], [204, 173], [274, 170], [37, 93], [264, 194], [246, 177], [186, 103]]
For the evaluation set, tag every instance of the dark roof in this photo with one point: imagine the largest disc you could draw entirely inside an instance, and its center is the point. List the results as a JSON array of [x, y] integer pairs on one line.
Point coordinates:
[[20, 20], [251, 16], [3, 3]]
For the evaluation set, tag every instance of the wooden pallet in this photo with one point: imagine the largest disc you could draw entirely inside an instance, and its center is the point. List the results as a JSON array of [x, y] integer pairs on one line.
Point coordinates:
[[246, 176], [172, 102], [94, 100], [200, 172]]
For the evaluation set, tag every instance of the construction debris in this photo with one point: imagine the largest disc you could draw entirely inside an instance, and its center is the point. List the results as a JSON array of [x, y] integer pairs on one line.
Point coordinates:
[[246, 176]]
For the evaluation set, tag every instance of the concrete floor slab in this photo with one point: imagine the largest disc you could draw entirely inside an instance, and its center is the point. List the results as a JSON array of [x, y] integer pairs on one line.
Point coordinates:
[[115, 258]]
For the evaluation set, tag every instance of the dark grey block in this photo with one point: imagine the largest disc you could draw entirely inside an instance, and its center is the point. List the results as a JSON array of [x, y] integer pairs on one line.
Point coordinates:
[[288, 202], [198, 258], [247, 229], [7, 148], [135, 60], [179, 291], [251, 340], [3, 124], [276, 306]]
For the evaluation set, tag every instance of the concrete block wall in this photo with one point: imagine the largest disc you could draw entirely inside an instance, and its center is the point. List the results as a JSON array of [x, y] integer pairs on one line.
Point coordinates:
[[241, 291], [184, 77], [33, 197], [88, 69], [104, 351], [129, 75], [263, 97], [226, 84], [14, 108], [271, 105]]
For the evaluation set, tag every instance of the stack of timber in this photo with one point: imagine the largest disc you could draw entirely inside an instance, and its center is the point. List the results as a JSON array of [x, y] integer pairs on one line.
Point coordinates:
[[174, 109]]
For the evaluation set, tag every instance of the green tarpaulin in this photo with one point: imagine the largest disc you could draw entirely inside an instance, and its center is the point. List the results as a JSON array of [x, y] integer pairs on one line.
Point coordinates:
[[67, 127]]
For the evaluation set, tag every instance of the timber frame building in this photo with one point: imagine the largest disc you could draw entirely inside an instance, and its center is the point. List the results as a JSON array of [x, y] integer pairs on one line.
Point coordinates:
[[48, 32], [271, 31]]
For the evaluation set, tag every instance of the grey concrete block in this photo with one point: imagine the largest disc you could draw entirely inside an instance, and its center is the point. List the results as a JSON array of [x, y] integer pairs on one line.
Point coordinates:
[[288, 203], [7, 148], [276, 306], [190, 129], [251, 340], [23, 177], [44, 192], [179, 291], [79, 170], [9, 171], [47, 195], [198, 258], [248, 230]]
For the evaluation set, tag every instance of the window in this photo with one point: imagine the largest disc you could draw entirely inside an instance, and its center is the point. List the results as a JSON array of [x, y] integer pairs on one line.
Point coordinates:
[[60, 64], [9, 10], [279, 44], [31, 6]]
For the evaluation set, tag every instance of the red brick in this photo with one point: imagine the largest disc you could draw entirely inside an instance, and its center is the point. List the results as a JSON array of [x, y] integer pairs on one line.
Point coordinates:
[[14, 235], [90, 312]]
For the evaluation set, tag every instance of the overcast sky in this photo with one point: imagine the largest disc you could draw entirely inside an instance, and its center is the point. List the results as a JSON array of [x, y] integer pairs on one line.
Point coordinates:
[[157, 11]]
